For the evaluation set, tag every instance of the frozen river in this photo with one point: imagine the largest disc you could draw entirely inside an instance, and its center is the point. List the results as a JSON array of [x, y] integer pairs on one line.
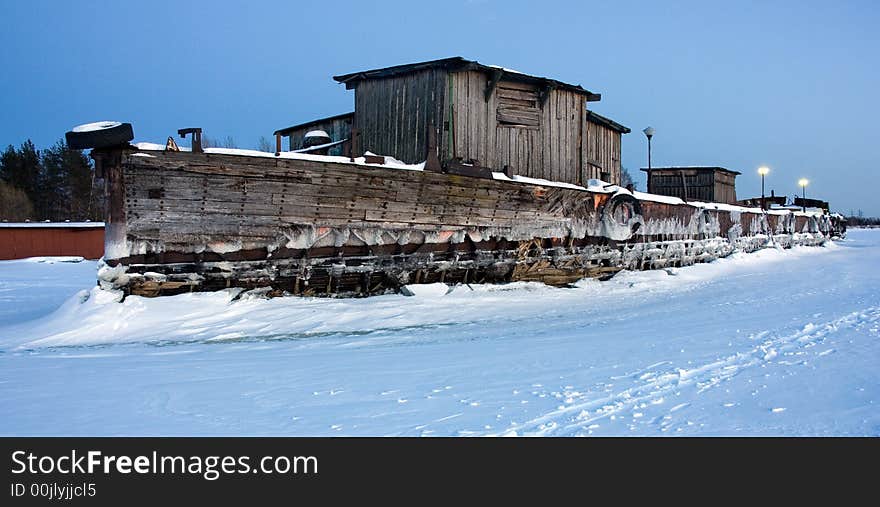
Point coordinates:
[[772, 343]]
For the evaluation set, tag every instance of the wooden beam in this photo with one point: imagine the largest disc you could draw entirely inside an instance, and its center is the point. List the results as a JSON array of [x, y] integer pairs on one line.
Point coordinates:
[[493, 81], [432, 162], [545, 94]]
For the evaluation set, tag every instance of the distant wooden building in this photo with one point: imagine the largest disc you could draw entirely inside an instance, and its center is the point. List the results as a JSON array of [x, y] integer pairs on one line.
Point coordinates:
[[337, 127], [469, 114], [811, 203], [769, 201], [706, 184], [603, 137]]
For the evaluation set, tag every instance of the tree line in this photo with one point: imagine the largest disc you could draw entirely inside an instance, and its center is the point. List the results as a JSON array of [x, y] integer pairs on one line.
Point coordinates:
[[862, 221], [56, 184]]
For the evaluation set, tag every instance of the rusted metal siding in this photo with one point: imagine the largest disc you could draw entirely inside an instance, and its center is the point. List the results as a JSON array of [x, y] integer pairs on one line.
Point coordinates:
[[29, 241]]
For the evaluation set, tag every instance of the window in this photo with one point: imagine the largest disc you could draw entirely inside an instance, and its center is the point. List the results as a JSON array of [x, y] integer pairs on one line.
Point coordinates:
[[517, 106]]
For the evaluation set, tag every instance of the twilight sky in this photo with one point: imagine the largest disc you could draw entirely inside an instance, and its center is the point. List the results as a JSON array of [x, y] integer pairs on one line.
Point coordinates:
[[792, 85]]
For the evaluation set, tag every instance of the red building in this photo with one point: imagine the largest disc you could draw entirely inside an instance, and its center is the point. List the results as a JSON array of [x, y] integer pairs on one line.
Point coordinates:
[[45, 239]]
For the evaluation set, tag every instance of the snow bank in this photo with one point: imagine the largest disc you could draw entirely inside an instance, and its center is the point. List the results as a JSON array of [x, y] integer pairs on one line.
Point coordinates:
[[427, 290], [96, 317], [53, 260], [709, 350]]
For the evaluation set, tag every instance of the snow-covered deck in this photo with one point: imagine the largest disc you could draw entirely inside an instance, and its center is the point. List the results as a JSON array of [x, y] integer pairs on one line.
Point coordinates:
[[392, 163]]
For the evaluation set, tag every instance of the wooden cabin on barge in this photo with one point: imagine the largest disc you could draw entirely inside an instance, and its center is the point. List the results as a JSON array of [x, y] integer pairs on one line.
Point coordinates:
[[469, 117]]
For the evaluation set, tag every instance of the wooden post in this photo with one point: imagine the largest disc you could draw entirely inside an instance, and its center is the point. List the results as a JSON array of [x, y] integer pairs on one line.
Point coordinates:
[[196, 138], [115, 222], [684, 187], [352, 149], [277, 145], [432, 163]]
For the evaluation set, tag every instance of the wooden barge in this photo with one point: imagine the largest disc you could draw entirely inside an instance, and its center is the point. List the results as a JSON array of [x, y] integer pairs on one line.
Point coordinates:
[[491, 176]]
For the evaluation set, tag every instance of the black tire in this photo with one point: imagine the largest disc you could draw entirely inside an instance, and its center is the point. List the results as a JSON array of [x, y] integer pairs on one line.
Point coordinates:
[[631, 205], [116, 135]]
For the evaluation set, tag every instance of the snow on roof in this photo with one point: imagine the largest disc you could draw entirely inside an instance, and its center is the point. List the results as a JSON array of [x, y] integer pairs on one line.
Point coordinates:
[[678, 167], [98, 125], [644, 196], [536, 181], [56, 225], [456, 64], [744, 209], [390, 162], [505, 69], [593, 185], [317, 133], [319, 146], [724, 207]]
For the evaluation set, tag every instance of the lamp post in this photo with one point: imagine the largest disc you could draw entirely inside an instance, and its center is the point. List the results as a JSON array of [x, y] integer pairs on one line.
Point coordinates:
[[763, 170], [803, 182], [649, 133]]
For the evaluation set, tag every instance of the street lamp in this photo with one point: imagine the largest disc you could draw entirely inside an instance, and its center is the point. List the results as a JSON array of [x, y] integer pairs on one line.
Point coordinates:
[[649, 133], [803, 182], [763, 170]]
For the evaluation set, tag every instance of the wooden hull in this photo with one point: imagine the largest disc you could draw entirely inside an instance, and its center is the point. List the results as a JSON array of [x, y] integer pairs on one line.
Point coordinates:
[[181, 222]]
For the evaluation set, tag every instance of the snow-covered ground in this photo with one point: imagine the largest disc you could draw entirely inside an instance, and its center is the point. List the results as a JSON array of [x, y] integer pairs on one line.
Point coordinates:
[[772, 343]]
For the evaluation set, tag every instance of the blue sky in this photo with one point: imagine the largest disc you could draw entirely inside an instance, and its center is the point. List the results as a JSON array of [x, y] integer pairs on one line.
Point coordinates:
[[792, 85]]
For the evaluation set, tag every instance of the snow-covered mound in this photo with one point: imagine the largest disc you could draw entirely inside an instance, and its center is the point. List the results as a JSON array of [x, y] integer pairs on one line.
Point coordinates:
[[97, 316]]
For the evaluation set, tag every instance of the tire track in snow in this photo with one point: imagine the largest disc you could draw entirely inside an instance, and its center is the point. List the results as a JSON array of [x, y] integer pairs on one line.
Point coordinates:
[[582, 412]]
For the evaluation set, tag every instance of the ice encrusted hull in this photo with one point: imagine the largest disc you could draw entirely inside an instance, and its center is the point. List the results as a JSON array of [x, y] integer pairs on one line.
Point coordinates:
[[184, 222]]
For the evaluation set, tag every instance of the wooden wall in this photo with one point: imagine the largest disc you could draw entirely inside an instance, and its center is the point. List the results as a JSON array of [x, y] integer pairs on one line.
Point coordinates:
[[511, 129], [501, 131], [338, 129], [725, 187], [392, 114], [701, 185], [602, 153]]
